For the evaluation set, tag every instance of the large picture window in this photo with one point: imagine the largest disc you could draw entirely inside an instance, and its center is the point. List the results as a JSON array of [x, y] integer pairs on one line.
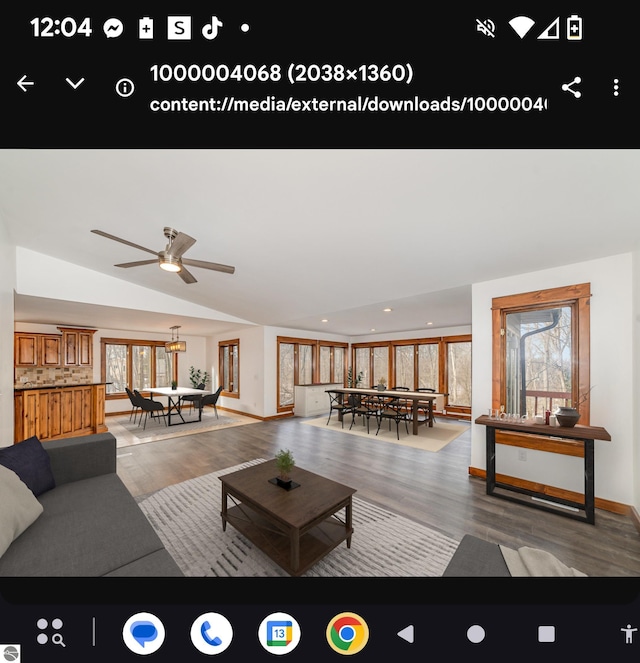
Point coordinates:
[[541, 351], [135, 364]]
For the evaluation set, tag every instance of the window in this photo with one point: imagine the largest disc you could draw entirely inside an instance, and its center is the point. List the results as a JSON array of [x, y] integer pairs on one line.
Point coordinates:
[[135, 364], [541, 350], [229, 367], [303, 361], [458, 373]]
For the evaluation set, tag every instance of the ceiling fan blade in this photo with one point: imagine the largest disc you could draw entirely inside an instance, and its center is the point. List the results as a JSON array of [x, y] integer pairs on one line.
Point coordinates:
[[123, 241], [187, 276], [180, 244], [138, 263], [209, 265]]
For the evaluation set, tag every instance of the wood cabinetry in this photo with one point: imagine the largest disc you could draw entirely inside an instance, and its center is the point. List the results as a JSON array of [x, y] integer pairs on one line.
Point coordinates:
[[60, 412], [73, 347]]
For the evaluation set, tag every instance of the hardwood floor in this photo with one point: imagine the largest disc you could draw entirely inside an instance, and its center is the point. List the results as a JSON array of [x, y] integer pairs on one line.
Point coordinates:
[[431, 488]]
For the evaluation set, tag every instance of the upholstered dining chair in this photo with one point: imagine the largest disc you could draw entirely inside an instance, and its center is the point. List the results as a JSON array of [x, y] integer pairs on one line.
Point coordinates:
[[151, 407], [194, 398], [210, 399], [135, 404]]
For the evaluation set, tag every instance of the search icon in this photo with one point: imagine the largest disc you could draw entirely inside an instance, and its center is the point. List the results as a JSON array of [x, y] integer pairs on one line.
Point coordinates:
[[56, 638]]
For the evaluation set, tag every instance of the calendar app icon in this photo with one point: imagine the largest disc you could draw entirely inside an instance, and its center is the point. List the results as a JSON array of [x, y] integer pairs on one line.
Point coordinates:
[[279, 633]]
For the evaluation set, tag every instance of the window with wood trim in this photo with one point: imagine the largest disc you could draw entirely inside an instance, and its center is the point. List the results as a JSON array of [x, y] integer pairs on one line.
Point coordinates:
[[229, 367], [135, 364], [541, 351], [303, 361]]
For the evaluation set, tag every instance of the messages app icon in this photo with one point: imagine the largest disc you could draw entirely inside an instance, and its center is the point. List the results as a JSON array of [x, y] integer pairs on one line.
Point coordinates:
[[143, 633]]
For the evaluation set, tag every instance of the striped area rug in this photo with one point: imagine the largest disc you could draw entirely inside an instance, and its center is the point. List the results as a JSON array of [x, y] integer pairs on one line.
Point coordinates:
[[187, 519]]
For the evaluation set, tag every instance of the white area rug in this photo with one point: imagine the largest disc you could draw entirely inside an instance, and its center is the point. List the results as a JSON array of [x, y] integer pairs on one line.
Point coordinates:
[[187, 519], [429, 439]]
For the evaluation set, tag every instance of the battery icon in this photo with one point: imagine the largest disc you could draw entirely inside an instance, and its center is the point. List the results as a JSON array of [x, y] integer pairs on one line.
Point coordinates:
[[574, 27], [145, 28]]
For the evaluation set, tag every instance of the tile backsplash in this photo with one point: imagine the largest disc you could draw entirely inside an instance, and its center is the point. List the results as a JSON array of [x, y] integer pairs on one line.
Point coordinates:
[[45, 377]]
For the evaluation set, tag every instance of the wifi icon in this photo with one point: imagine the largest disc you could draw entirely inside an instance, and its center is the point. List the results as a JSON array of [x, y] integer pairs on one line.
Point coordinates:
[[522, 25]]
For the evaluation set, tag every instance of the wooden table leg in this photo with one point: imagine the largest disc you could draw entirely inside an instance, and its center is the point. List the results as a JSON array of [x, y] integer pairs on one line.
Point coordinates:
[[295, 549], [224, 508], [349, 521]]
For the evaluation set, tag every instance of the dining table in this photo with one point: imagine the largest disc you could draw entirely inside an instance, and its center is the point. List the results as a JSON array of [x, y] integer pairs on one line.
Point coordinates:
[[418, 399], [174, 401]]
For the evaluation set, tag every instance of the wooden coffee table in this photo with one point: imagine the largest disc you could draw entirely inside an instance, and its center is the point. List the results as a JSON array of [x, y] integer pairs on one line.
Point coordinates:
[[295, 528]]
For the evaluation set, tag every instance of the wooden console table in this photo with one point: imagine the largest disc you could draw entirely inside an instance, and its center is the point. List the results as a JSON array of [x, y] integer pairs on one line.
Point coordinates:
[[576, 441]]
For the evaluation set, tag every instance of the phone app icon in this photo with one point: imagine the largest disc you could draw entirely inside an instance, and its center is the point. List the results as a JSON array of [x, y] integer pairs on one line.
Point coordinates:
[[211, 633], [347, 633], [279, 633], [143, 633]]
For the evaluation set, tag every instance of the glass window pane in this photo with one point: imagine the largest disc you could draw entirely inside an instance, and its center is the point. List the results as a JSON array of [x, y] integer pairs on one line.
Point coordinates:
[[305, 365], [459, 373], [428, 371], [225, 368], [163, 367], [404, 366], [380, 364], [141, 367], [325, 364], [362, 368], [116, 368], [338, 366], [286, 374], [235, 386], [539, 360]]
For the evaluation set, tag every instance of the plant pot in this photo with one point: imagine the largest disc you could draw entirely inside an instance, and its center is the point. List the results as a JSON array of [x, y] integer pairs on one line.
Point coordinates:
[[567, 416], [381, 387]]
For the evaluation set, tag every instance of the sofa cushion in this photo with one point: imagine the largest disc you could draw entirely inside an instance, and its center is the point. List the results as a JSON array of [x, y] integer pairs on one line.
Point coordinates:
[[91, 527], [31, 463], [18, 507]]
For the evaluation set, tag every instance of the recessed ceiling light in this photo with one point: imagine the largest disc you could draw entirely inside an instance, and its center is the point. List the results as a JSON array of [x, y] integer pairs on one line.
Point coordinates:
[[429, 323], [373, 329], [324, 320], [386, 310]]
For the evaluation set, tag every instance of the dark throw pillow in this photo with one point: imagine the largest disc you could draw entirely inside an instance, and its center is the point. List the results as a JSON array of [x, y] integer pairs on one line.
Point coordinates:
[[29, 460]]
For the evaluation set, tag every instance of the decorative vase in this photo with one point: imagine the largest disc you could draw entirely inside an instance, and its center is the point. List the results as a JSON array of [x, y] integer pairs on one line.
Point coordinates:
[[567, 416], [381, 387]]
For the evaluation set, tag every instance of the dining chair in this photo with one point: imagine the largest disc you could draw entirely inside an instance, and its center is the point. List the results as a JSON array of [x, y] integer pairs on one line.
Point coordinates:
[[210, 399], [366, 408], [153, 408], [193, 398], [135, 405], [394, 411], [424, 408], [338, 404]]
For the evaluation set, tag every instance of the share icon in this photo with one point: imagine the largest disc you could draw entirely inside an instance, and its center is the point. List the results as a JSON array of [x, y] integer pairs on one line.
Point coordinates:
[[566, 87]]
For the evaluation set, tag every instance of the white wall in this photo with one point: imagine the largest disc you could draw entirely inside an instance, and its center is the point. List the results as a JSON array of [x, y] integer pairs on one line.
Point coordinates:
[[635, 362], [612, 375], [427, 332], [7, 287]]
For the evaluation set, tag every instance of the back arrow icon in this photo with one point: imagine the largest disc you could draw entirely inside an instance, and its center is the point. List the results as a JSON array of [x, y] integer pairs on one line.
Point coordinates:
[[23, 83]]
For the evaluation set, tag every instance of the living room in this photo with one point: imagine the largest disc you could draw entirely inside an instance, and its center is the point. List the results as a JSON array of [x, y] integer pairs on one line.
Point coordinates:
[[613, 317]]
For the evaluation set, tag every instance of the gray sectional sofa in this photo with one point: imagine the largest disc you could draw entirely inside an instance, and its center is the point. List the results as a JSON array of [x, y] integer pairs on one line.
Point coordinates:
[[89, 524]]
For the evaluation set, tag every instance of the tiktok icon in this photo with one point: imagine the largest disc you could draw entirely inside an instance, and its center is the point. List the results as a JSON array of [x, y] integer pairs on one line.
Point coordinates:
[[210, 30]]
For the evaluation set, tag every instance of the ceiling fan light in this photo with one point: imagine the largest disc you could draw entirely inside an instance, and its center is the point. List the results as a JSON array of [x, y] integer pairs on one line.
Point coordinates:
[[169, 263]]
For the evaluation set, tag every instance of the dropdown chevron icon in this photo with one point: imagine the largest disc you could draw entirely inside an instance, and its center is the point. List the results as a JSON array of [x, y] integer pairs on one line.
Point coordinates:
[[75, 86]]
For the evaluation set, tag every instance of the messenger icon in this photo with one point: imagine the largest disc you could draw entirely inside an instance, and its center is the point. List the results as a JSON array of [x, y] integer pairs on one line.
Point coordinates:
[[143, 633]]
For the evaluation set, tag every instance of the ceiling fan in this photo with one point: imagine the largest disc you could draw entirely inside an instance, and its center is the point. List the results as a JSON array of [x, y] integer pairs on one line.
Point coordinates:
[[171, 259]]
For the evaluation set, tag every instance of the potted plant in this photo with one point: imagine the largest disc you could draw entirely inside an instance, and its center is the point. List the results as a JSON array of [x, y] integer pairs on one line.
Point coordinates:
[[198, 377], [382, 384], [284, 463], [174, 384]]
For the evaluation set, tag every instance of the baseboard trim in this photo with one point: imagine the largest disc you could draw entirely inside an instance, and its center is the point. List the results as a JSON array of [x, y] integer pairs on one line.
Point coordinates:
[[552, 491]]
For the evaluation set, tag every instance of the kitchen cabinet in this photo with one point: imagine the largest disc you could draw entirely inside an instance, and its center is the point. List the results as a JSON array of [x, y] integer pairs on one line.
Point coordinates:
[[51, 413]]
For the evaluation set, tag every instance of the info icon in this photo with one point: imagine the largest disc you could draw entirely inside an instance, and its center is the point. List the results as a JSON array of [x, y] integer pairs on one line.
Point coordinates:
[[279, 633], [347, 633]]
